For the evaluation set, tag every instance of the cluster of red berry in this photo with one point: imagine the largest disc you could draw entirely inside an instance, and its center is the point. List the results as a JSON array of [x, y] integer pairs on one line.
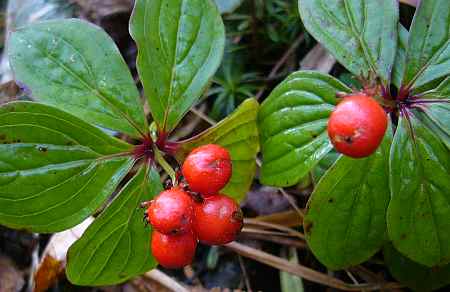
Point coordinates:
[[357, 125], [194, 211]]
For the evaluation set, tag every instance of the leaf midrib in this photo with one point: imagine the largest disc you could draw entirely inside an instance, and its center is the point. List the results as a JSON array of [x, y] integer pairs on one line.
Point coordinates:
[[422, 182], [103, 139], [27, 215], [368, 58]]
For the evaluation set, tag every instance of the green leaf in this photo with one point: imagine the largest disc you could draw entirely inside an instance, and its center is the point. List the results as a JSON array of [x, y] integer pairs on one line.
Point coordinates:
[[116, 247], [400, 58], [324, 164], [434, 116], [428, 54], [442, 91], [238, 133], [439, 113], [55, 169], [76, 66], [419, 212], [414, 275], [362, 35], [346, 220], [293, 122], [180, 44]]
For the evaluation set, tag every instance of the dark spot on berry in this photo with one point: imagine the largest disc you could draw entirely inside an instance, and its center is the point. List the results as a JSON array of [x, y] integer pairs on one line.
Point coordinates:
[[403, 236], [348, 139], [331, 200], [238, 216], [175, 231]]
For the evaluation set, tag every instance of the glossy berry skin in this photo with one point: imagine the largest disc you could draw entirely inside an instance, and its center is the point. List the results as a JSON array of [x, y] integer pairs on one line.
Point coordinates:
[[174, 251], [171, 212], [218, 220], [207, 169], [357, 125]]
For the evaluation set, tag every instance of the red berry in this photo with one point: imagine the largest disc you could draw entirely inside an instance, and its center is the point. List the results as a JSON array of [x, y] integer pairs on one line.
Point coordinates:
[[207, 169], [171, 211], [218, 220], [174, 251], [357, 125]]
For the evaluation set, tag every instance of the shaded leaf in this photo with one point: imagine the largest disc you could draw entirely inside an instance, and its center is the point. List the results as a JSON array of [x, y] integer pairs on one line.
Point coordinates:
[[116, 247], [238, 133], [292, 123], [324, 164], [53, 259], [400, 58], [346, 220], [428, 54], [435, 116], [362, 35], [54, 168], [414, 275], [180, 44], [76, 66], [439, 113], [419, 213], [442, 91]]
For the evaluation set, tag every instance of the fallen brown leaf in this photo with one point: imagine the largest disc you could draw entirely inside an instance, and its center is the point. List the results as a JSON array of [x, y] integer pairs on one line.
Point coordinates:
[[53, 260]]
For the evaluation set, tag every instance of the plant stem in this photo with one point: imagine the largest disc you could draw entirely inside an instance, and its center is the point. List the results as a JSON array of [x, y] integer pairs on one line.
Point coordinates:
[[165, 165]]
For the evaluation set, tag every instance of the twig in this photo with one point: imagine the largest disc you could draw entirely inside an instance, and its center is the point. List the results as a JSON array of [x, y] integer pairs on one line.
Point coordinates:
[[244, 272], [34, 262], [350, 275], [318, 59], [275, 239], [203, 116], [165, 280], [249, 221], [282, 61], [292, 202], [266, 232], [304, 272]]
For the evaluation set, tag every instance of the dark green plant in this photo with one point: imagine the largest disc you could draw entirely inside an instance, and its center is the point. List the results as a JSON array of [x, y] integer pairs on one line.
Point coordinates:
[[232, 84], [401, 193], [57, 168]]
